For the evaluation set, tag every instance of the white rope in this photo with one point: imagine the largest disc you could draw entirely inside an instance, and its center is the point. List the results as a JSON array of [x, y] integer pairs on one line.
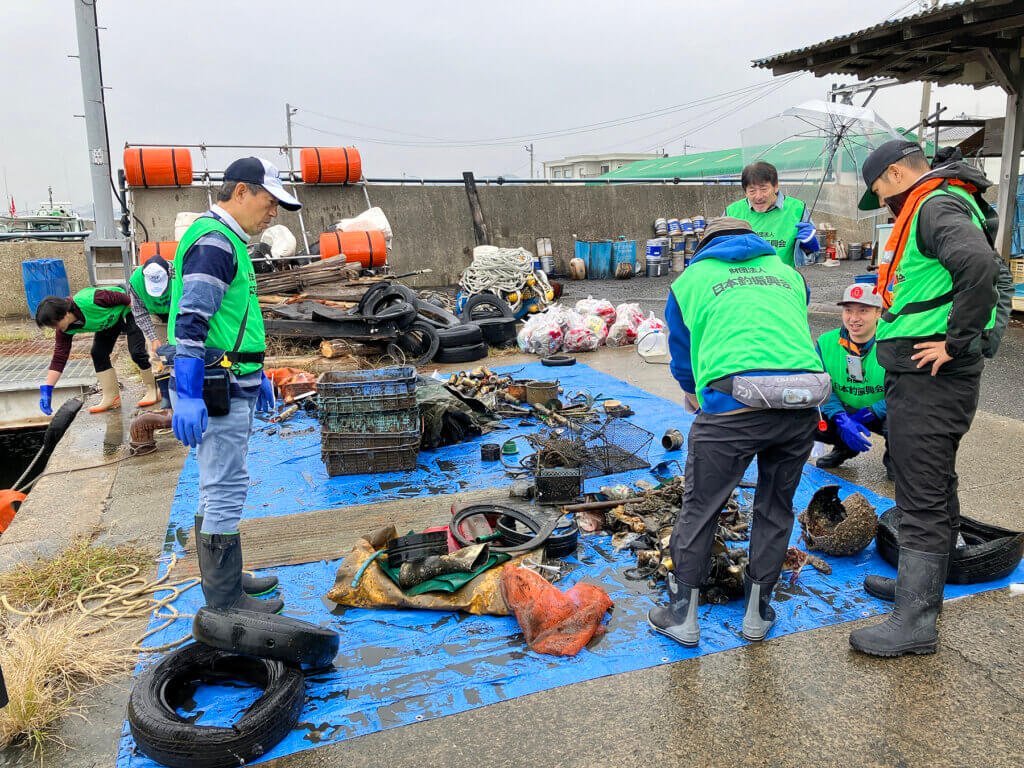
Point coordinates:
[[503, 271]]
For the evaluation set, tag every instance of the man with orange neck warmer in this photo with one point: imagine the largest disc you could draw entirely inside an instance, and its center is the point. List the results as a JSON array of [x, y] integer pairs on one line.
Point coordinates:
[[940, 294]]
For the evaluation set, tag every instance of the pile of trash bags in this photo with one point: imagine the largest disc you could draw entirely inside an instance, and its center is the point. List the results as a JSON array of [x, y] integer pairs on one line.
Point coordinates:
[[589, 325]]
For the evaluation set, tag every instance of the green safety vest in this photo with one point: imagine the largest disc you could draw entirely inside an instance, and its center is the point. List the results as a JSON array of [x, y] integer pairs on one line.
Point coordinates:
[[743, 317], [922, 289], [155, 305], [855, 394], [777, 226], [241, 293], [97, 318]]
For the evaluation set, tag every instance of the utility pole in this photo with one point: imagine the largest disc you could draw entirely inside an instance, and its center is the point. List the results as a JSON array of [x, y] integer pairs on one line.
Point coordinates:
[[926, 89], [529, 148], [105, 246], [289, 110]]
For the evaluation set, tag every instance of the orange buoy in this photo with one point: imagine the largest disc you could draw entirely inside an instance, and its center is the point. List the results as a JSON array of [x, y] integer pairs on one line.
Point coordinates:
[[330, 165], [369, 248], [164, 249], [158, 166], [8, 499]]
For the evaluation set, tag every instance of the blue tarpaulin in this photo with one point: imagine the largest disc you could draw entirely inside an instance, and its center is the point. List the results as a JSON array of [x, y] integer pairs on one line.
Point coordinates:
[[400, 667]]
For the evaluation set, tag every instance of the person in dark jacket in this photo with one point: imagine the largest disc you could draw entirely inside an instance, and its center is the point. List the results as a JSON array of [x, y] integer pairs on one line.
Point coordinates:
[[742, 352], [939, 281]]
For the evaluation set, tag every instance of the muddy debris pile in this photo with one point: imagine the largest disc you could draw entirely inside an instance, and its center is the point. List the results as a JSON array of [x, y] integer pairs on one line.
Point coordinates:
[[841, 528]]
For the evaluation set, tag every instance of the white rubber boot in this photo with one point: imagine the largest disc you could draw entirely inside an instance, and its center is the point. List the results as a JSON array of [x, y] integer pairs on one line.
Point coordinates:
[[111, 395], [151, 397]]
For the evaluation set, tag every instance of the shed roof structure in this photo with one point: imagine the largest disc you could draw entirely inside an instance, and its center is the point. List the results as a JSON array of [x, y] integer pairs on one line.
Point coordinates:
[[977, 43]]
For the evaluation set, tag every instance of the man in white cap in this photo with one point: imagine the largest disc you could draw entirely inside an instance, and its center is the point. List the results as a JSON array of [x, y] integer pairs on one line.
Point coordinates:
[[218, 384], [857, 406], [150, 291]]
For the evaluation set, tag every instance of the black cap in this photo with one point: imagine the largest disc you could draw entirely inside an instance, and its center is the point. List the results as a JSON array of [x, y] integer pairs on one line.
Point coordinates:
[[876, 163], [256, 170]]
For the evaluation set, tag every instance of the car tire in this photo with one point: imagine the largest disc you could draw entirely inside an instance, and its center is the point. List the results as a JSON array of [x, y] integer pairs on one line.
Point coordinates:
[[459, 335], [558, 361], [369, 296], [394, 294], [166, 737], [465, 354], [439, 317], [498, 331], [266, 635], [992, 553], [420, 342], [481, 305]]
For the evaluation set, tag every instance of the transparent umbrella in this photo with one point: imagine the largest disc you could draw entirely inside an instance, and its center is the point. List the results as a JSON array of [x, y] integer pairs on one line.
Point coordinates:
[[818, 148]]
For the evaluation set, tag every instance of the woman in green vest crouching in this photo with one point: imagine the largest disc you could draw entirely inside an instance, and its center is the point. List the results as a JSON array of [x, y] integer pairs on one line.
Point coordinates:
[[106, 313], [857, 406], [150, 289]]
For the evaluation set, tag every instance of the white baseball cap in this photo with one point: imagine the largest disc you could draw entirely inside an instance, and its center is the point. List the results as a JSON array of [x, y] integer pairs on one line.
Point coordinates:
[[156, 276], [256, 170], [859, 293]]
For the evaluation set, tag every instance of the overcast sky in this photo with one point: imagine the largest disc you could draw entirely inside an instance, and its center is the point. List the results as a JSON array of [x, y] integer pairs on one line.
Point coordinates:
[[484, 73]]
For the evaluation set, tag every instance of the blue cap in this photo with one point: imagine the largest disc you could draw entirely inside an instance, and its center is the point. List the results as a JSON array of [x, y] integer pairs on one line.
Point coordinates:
[[256, 170]]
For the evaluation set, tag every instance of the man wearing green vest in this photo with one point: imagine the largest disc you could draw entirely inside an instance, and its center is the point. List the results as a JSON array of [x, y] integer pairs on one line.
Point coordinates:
[[106, 313], [742, 352], [783, 221], [857, 406], [940, 290], [150, 290], [218, 383]]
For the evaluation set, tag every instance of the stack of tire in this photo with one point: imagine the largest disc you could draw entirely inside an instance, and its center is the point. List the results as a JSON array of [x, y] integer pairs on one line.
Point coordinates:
[[264, 650], [431, 332]]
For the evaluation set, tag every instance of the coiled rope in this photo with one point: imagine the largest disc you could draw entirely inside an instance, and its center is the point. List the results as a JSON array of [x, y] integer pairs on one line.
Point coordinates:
[[503, 271]]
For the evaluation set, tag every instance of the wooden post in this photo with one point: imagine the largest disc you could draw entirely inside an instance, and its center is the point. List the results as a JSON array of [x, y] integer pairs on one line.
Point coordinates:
[[479, 223], [1013, 140]]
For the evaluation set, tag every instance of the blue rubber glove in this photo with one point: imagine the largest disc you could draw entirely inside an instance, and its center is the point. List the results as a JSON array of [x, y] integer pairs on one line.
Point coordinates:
[[190, 418], [45, 396], [806, 234], [265, 399], [850, 433], [864, 416]]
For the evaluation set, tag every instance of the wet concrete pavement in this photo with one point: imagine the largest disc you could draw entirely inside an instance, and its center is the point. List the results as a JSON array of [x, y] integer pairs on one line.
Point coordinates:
[[800, 700]]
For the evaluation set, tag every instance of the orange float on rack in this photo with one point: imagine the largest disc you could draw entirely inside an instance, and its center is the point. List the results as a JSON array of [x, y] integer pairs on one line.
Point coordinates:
[[158, 166], [164, 249], [368, 248], [330, 165]]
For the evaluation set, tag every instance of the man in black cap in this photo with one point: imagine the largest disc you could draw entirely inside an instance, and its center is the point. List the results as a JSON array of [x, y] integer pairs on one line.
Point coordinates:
[[938, 281]]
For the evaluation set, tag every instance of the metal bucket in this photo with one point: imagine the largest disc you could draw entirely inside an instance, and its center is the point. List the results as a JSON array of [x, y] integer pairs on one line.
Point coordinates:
[[656, 267], [517, 389], [699, 222], [541, 392], [547, 263], [679, 261], [660, 227], [674, 228], [657, 248]]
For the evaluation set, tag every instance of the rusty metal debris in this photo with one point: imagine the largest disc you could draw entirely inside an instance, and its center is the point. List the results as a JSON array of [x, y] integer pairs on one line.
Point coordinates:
[[837, 527]]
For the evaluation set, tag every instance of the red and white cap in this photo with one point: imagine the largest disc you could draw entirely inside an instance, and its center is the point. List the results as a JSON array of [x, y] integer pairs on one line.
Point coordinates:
[[861, 293]]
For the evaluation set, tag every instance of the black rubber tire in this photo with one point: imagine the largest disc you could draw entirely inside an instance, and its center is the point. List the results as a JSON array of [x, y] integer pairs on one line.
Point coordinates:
[[394, 294], [459, 335], [992, 553], [561, 543], [498, 331], [481, 305], [267, 635], [466, 354], [439, 317], [370, 295], [420, 342], [558, 361], [401, 313], [165, 737]]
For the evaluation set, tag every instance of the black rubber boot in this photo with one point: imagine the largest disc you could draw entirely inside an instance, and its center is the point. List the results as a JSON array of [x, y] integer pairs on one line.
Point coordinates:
[[163, 383], [254, 586], [887, 463], [835, 457], [910, 628], [678, 619], [758, 614], [884, 588], [220, 564]]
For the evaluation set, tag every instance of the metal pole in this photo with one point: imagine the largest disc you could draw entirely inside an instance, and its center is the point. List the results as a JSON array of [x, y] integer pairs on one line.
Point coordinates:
[[1013, 139], [926, 89], [288, 112], [95, 118]]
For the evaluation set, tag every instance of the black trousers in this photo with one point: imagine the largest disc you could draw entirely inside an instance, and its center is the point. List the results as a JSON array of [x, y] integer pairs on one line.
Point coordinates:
[[928, 416], [720, 448], [103, 344]]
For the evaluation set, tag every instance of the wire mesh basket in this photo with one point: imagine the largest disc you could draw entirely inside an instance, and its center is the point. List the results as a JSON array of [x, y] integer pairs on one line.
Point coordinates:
[[613, 446]]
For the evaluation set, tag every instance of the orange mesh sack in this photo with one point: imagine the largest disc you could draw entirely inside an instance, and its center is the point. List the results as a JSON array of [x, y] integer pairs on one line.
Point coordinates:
[[554, 622]]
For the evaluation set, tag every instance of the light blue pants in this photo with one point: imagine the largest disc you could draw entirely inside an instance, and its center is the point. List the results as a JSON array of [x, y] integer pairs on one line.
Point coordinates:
[[223, 474]]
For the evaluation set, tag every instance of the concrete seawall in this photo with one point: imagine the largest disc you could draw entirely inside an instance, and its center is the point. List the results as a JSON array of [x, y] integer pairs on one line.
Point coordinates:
[[12, 286]]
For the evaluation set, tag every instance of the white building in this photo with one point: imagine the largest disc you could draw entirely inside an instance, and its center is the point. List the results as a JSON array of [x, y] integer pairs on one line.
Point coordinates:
[[589, 166]]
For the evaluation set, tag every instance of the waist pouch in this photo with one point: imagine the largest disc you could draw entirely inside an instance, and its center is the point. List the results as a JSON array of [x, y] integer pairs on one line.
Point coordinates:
[[782, 391]]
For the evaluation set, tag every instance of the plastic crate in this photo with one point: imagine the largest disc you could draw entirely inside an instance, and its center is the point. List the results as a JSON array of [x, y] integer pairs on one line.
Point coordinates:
[[371, 422], [383, 389], [350, 441], [366, 404], [365, 461], [1017, 270]]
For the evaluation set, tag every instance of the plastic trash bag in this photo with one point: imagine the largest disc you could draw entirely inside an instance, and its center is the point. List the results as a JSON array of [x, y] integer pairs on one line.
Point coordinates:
[[581, 339], [651, 325], [599, 307], [597, 325], [540, 335], [371, 218], [553, 622]]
